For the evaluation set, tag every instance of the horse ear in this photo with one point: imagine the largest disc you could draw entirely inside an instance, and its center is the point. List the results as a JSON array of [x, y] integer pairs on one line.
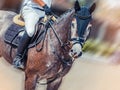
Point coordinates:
[[77, 6], [92, 8]]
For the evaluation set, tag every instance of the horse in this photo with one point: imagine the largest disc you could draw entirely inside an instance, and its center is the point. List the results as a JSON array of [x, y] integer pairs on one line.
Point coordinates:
[[11, 5], [53, 62]]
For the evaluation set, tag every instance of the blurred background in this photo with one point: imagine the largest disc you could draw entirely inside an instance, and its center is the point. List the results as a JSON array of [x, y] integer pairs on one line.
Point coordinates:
[[98, 68]]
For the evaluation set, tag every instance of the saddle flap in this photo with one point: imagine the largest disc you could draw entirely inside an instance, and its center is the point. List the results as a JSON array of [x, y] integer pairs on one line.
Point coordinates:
[[15, 32]]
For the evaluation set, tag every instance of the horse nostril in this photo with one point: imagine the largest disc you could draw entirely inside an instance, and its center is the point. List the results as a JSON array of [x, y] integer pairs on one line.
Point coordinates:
[[71, 50], [75, 53], [80, 54]]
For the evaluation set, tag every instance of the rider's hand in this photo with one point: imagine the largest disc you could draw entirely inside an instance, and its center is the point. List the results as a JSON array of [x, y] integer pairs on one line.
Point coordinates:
[[47, 10]]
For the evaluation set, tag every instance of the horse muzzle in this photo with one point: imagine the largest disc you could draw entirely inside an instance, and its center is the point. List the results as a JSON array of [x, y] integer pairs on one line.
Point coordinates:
[[75, 54]]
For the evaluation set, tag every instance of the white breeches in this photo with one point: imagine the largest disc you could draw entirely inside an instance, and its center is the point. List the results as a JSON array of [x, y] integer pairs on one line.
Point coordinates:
[[31, 16]]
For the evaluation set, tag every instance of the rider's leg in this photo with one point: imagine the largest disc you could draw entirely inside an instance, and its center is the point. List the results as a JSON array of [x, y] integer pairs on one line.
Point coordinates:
[[17, 62], [31, 17]]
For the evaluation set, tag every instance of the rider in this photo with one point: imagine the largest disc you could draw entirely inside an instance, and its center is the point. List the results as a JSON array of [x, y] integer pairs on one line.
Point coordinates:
[[32, 11]]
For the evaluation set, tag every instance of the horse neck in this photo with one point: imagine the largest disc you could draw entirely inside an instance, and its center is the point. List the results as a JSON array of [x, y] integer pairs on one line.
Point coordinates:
[[63, 26]]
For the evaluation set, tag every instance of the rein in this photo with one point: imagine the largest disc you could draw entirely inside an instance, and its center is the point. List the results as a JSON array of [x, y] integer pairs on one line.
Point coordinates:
[[49, 24], [65, 63], [63, 45]]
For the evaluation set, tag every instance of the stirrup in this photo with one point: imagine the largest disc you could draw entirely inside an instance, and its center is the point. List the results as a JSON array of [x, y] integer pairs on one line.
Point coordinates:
[[17, 20], [17, 63]]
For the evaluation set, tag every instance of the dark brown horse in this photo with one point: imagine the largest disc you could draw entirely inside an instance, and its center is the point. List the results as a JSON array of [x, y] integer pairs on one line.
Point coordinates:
[[50, 63], [11, 5]]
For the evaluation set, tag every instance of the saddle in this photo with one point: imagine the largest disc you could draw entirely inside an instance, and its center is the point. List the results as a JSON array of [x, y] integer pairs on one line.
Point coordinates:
[[15, 32]]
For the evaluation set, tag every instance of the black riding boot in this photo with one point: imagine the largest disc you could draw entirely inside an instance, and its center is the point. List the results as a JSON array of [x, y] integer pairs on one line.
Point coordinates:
[[18, 61]]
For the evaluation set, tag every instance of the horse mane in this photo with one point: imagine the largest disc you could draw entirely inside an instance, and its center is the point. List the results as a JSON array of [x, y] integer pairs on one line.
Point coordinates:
[[65, 14]]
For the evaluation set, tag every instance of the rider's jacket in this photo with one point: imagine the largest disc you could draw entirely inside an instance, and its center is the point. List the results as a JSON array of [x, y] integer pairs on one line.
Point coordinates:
[[31, 3]]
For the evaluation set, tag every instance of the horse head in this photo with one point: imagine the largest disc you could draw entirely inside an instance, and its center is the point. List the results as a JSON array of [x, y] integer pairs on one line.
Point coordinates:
[[80, 28]]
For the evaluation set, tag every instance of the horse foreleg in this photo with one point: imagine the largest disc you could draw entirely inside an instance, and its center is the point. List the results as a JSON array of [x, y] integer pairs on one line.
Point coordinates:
[[55, 84], [30, 82]]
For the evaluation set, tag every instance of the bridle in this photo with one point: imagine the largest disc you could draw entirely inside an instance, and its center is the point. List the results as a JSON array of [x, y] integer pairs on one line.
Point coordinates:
[[53, 18], [48, 23], [69, 44]]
